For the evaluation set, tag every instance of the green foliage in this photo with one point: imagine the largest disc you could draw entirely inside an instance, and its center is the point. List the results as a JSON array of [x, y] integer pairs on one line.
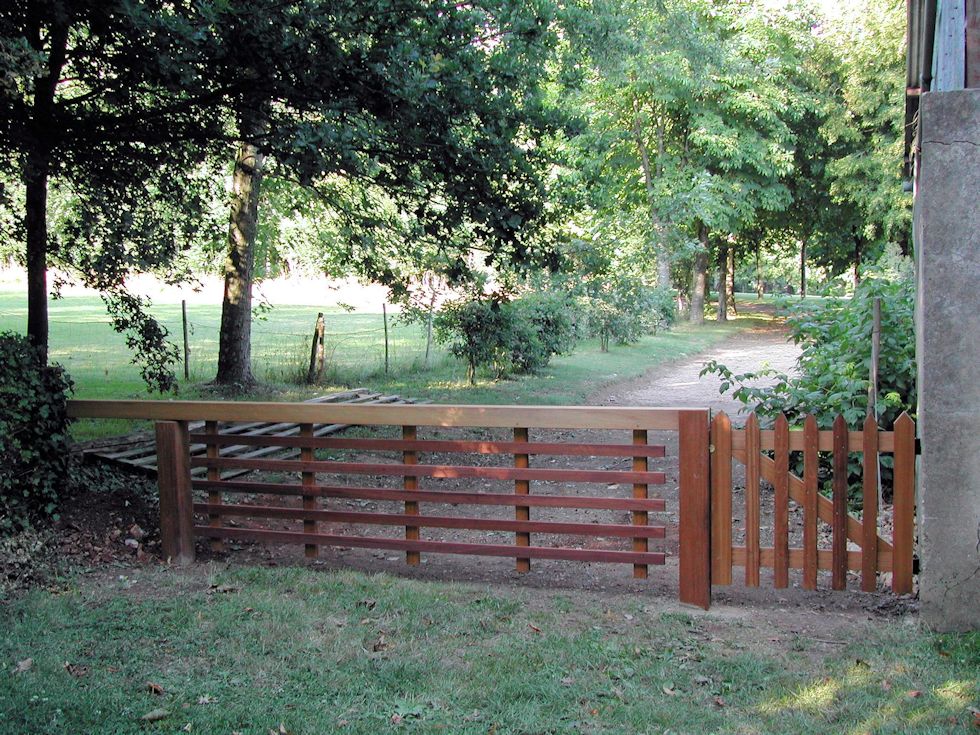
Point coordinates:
[[835, 336], [506, 337], [34, 451], [628, 309]]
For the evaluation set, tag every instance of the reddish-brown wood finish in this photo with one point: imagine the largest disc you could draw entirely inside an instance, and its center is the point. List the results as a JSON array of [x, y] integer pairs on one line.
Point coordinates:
[[445, 446], [639, 517], [838, 573], [411, 484], [780, 529], [869, 515], [721, 499], [176, 502], [522, 487], [810, 443], [309, 501], [214, 497], [441, 547], [442, 471], [904, 505], [752, 502], [429, 521], [695, 510], [824, 558], [433, 496]]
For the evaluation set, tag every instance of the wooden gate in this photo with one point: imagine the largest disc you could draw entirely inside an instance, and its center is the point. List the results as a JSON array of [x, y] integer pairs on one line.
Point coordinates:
[[307, 501], [856, 543]]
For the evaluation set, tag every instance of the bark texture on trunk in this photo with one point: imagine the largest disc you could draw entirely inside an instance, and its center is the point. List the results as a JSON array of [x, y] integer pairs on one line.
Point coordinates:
[[731, 281], [803, 268], [700, 284], [235, 342], [656, 226], [722, 315], [760, 287]]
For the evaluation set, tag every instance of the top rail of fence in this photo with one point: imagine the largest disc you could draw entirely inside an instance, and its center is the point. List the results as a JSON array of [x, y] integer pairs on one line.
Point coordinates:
[[535, 417]]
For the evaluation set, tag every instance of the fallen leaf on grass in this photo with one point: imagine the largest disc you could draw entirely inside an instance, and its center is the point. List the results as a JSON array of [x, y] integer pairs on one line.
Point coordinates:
[[669, 690], [280, 731], [719, 702], [914, 693], [206, 699], [380, 645], [155, 715], [222, 589], [368, 603], [76, 670], [23, 666], [534, 628], [567, 681], [886, 685], [154, 688], [187, 727]]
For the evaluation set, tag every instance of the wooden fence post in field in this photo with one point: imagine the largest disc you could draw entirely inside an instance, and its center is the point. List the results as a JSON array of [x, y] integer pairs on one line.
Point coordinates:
[[384, 316], [187, 347], [522, 512], [695, 509], [317, 350], [176, 503], [904, 505], [721, 499]]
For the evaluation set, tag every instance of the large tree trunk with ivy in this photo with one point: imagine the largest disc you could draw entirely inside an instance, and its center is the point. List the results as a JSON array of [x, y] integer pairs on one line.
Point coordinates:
[[235, 342], [722, 281], [699, 286]]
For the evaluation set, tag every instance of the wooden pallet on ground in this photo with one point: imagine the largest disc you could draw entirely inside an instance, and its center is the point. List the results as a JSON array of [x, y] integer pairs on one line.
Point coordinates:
[[139, 453]]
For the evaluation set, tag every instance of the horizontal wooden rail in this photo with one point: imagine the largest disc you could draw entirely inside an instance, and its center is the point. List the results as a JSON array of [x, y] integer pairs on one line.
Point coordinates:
[[855, 440], [444, 446], [437, 547], [434, 496], [536, 417], [424, 470], [824, 559], [459, 522]]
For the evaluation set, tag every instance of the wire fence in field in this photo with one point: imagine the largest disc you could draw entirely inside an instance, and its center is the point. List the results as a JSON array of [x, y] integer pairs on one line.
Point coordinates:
[[355, 343]]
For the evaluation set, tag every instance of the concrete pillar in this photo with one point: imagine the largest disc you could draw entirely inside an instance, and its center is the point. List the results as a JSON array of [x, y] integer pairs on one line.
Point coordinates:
[[947, 246]]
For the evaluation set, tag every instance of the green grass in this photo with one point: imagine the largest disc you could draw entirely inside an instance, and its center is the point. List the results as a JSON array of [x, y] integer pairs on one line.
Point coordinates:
[[326, 652], [100, 364]]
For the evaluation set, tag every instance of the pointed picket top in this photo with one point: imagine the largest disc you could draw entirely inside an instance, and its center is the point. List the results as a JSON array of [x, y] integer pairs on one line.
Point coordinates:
[[870, 422], [840, 423], [781, 421], [721, 419], [905, 422], [810, 423]]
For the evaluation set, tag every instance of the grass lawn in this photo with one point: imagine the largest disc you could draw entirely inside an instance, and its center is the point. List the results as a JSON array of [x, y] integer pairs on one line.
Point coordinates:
[[258, 651], [100, 364]]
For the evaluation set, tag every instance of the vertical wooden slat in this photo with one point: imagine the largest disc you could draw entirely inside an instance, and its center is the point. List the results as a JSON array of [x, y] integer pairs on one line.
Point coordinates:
[[903, 505], [309, 501], [753, 476], [838, 565], [522, 512], [869, 517], [811, 442], [721, 499], [780, 531], [412, 558], [214, 496], [695, 509], [640, 492], [176, 502]]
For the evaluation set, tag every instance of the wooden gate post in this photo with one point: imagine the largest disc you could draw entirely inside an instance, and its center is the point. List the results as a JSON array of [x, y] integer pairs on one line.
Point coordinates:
[[176, 503], [695, 509]]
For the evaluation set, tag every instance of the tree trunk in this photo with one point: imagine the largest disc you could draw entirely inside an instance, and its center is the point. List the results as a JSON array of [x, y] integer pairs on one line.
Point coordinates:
[[36, 171], [700, 284], [722, 281], [656, 226], [857, 260], [235, 342], [731, 280], [760, 287], [36, 224], [803, 268]]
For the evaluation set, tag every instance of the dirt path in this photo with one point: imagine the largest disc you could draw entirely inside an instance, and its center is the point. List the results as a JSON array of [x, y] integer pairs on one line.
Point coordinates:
[[679, 383]]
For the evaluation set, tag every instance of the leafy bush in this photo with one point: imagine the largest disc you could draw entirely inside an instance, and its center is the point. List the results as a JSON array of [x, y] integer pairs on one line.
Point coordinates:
[[34, 451], [518, 336], [626, 309], [834, 366]]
